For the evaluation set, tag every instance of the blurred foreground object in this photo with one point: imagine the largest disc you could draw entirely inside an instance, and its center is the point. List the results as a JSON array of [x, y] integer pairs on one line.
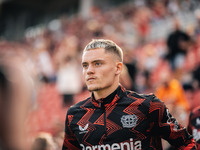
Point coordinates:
[[15, 94]]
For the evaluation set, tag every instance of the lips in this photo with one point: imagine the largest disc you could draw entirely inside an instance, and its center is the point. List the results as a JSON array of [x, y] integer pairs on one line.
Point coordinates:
[[90, 78]]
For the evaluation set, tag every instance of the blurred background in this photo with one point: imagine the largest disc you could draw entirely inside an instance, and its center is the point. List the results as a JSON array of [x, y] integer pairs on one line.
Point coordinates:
[[41, 43]]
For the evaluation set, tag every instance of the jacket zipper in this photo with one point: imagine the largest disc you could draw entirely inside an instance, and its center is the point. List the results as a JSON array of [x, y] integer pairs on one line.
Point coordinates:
[[104, 117], [105, 121]]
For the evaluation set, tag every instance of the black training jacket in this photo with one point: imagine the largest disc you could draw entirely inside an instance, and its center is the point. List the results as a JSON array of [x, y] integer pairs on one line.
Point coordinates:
[[124, 120]]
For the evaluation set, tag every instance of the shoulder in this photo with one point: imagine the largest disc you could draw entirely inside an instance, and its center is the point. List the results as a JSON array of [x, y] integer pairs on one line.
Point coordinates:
[[146, 100], [145, 97], [146, 103]]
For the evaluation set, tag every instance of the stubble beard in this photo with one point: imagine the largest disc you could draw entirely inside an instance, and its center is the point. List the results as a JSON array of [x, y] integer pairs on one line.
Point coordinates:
[[95, 89]]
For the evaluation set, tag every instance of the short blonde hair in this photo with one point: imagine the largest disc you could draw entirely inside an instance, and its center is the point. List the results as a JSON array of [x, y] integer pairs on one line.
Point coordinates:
[[108, 45]]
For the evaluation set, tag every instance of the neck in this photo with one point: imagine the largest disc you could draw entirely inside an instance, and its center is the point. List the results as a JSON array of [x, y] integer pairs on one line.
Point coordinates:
[[105, 92]]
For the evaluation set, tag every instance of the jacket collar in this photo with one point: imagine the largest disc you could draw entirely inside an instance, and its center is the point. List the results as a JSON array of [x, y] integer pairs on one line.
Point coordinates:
[[110, 99]]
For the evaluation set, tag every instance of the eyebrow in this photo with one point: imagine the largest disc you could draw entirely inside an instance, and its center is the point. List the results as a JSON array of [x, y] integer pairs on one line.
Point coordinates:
[[98, 60], [84, 63]]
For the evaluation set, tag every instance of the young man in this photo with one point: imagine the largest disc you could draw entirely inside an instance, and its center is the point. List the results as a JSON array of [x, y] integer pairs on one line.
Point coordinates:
[[114, 118]]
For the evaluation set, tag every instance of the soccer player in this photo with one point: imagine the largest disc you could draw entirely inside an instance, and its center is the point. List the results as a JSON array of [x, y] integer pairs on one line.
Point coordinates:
[[114, 118]]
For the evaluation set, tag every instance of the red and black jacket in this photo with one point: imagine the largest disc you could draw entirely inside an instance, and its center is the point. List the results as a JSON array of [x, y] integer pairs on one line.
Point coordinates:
[[124, 120]]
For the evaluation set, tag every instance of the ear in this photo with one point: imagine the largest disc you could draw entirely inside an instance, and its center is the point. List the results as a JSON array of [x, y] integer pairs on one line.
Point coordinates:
[[119, 67]]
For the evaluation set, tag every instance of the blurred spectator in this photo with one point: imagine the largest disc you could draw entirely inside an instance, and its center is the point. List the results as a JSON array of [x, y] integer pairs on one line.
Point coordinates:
[[196, 76], [173, 7], [194, 125], [178, 43], [125, 78], [158, 10], [172, 93], [44, 141], [43, 61], [142, 81], [141, 21], [197, 26], [131, 68], [190, 91], [69, 80]]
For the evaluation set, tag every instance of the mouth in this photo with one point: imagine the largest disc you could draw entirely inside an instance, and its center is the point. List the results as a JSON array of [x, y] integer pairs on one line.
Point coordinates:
[[90, 79]]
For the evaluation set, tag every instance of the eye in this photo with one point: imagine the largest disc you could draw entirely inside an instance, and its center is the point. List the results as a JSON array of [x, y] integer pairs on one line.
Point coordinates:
[[97, 64], [84, 65]]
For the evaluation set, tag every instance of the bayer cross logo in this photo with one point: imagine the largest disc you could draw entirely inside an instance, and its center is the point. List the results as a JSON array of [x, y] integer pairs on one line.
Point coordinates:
[[129, 121]]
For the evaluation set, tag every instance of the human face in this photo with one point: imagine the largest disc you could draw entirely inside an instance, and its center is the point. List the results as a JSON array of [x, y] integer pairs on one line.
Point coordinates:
[[100, 69]]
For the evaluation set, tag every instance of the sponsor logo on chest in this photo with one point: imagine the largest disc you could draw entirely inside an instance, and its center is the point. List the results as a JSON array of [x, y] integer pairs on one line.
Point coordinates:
[[83, 129], [129, 145]]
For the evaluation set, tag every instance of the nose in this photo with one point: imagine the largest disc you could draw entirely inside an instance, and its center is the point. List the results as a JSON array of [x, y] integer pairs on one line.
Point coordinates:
[[90, 69]]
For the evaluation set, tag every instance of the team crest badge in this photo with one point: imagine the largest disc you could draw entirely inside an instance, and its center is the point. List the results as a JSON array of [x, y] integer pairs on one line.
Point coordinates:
[[129, 121]]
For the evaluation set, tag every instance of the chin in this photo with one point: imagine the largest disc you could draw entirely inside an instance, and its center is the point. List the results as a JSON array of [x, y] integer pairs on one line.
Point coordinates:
[[93, 88]]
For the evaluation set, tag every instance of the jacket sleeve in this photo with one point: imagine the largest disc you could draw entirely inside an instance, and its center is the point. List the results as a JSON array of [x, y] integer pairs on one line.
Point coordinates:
[[70, 142], [167, 127]]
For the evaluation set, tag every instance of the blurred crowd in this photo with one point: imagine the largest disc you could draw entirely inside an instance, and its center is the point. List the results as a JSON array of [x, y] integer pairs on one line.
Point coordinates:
[[45, 68]]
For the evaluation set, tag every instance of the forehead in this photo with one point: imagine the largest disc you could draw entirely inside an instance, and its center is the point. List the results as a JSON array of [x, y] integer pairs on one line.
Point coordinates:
[[95, 54]]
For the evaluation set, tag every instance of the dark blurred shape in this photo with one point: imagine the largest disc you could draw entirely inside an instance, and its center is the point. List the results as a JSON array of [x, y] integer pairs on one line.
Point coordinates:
[[4, 105], [44, 141], [178, 43], [40, 144], [194, 125], [17, 15], [196, 75]]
